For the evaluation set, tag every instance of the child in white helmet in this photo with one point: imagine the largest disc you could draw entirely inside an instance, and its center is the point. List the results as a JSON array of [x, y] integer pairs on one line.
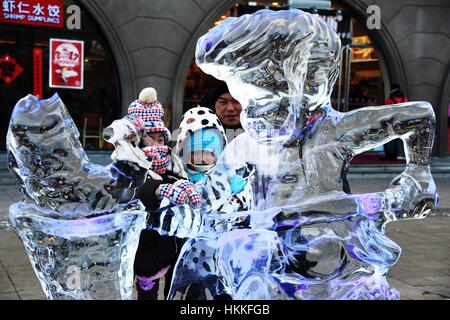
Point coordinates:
[[201, 140]]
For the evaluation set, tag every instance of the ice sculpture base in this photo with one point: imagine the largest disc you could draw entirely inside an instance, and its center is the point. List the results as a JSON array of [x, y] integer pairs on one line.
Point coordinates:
[[81, 259]]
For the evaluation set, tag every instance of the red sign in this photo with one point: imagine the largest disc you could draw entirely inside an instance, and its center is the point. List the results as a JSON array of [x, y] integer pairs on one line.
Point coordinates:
[[9, 69], [48, 13], [37, 74], [66, 64]]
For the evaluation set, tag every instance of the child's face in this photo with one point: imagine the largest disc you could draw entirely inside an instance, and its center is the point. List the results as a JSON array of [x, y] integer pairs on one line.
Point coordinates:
[[158, 139], [203, 157]]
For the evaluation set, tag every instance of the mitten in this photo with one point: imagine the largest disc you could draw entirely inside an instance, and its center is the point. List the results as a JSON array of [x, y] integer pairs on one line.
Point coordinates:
[[195, 199], [181, 192]]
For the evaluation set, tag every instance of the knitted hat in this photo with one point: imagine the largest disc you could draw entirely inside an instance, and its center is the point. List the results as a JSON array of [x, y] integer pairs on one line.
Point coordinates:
[[148, 95], [150, 111]]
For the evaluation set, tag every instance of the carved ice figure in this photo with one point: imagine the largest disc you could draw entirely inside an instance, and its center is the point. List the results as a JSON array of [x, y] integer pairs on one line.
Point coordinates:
[[77, 220], [308, 237]]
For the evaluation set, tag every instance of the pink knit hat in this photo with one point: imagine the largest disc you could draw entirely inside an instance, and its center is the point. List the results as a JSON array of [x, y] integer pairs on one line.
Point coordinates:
[[151, 112]]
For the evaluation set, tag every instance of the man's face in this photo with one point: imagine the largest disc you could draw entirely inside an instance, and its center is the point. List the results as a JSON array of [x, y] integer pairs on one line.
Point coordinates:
[[228, 110]]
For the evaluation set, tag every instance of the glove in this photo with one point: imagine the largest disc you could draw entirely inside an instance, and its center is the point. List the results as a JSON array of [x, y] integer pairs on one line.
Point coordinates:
[[181, 192], [194, 196], [237, 184]]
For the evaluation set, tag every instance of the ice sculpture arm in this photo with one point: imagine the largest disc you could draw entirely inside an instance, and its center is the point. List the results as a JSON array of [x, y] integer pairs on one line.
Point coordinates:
[[220, 199], [381, 207], [413, 122], [184, 221]]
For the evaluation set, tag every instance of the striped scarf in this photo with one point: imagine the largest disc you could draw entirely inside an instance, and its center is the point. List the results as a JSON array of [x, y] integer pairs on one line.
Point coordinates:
[[159, 158]]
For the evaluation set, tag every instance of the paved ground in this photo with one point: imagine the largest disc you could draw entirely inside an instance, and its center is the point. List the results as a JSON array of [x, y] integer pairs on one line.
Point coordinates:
[[423, 271]]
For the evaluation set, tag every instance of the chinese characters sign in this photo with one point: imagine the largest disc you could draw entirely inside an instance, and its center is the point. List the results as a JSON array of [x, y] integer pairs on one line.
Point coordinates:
[[9, 69], [33, 12], [37, 72], [66, 64]]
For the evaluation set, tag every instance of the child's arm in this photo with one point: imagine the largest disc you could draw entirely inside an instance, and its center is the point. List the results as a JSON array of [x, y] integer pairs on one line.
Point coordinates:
[[229, 190], [225, 193]]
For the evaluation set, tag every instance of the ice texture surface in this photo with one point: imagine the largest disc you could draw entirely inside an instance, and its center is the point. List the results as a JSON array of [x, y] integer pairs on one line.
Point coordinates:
[[52, 169], [83, 259], [306, 236], [78, 221]]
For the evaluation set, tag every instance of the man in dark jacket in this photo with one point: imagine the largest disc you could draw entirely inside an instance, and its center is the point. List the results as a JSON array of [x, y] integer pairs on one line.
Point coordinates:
[[226, 107]]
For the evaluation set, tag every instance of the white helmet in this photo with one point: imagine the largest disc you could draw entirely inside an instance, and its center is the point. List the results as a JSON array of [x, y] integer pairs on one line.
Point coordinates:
[[196, 119]]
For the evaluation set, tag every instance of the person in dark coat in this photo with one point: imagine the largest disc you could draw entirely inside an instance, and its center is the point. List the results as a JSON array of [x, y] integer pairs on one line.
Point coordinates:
[[227, 109], [393, 148], [157, 254]]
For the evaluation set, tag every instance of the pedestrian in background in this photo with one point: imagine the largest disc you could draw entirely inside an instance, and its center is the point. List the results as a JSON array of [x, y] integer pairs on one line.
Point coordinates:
[[393, 148]]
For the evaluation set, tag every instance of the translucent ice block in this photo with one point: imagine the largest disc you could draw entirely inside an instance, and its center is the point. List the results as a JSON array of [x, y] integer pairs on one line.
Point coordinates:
[[83, 259], [78, 221]]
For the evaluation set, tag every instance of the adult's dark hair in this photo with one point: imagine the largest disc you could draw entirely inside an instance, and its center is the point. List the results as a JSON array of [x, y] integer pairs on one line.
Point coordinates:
[[212, 93]]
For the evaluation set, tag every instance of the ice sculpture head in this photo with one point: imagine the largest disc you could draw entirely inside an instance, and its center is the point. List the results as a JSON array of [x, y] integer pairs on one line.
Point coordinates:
[[53, 170], [277, 64], [36, 124]]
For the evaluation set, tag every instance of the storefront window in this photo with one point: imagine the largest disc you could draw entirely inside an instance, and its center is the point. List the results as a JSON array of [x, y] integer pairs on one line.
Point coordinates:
[[93, 107], [198, 82], [364, 86]]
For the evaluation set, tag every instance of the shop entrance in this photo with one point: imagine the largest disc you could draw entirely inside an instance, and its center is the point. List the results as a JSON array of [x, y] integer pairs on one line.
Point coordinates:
[[363, 79], [94, 106]]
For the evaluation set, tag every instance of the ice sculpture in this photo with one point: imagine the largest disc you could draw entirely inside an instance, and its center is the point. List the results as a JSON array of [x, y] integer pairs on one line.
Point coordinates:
[[307, 236], [77, 220]]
